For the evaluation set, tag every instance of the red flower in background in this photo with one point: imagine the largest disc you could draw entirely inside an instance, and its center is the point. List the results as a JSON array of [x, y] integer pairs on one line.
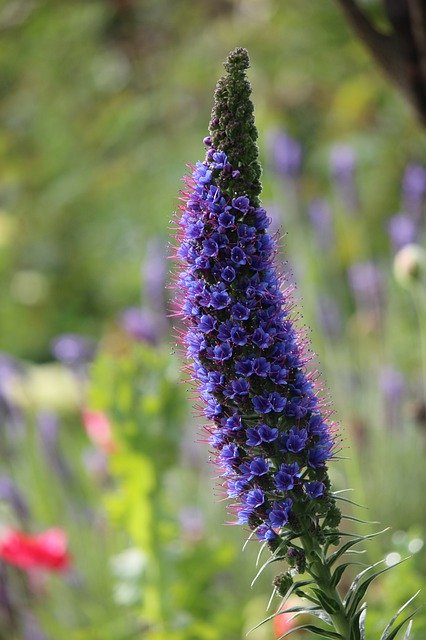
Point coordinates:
[[98, 429], [284, 622], [47, 550]]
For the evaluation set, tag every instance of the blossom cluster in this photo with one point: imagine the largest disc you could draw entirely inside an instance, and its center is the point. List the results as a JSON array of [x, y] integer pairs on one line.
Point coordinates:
[[268, 428]]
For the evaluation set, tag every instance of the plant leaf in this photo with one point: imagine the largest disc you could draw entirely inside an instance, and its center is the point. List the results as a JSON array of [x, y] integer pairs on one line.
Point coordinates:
[[356, 596], [264, 566], [384, 635], [293, 587], [394, 633], [340, 570], [325, 633], [361, 623], [408, 632], [336, 555]]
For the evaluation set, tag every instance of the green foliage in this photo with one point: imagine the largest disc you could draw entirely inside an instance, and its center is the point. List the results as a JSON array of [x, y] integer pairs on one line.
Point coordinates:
[[186, 586]]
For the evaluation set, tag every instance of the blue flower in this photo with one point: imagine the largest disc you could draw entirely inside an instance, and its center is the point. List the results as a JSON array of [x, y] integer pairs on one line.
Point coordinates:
[[242, 203], [278, 516], [314, 489], [207, 323], [262, 404], [259, 466], [238, 256], [255, 498], [295, 440], [240, 312]]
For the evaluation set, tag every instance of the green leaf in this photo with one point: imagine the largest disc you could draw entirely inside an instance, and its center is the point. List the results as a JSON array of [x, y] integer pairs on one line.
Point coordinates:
[[408, 632], [394, 633], [264, 566], [345, 547], [361, 623], [355, 504], [353, 519], [261, 550], [325, 633], [356, 596], [340, 570], [328, 604], [385, 633], [280, 611]]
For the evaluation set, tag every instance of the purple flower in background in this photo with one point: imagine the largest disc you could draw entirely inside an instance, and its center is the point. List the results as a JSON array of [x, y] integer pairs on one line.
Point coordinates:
[[48, 433], [287, 155], [154, 276], [10, 413], [343, 167], [393, 387], [329, 316], [10, 493], [402, 230], [248, 359], [73, 349], [144, 325], [322, 222], [414, 190], [366, 281], [31, 629]]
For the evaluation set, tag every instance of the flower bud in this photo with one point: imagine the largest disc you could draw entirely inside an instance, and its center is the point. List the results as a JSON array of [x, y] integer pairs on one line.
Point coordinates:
[[409, 266]]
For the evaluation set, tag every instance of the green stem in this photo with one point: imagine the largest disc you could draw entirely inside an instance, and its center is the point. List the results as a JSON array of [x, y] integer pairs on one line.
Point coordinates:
[[318, 569]]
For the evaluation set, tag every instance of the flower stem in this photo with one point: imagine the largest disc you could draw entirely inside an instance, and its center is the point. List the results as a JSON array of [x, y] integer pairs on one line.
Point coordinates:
[[317, 567]]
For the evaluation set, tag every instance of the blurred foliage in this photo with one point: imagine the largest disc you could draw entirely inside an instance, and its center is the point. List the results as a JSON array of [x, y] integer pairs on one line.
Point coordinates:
[[103, 103], [188, 583]]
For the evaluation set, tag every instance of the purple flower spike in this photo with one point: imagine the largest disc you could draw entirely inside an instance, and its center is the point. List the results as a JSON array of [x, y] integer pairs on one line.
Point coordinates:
[[249, 361]]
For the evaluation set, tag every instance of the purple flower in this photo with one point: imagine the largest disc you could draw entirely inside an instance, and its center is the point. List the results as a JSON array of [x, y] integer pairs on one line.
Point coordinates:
[[10, 493], [259, 466], [322, 223], [255, 498], [262, 404], [210, 248], [295, 440], [267, 433], [240, 312], [238, 256], [73, 349], [144, 325], [222, 352], [228, 274], [286, 155], [207, 323], [314, 489], [48, 432], [414, 190], [277, 401], [343, 165], [403, 230], [278, 516], [366, 281], [242, 203]]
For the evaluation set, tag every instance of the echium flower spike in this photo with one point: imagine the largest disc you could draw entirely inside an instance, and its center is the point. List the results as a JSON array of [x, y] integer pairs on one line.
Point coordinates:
[[268, 427]]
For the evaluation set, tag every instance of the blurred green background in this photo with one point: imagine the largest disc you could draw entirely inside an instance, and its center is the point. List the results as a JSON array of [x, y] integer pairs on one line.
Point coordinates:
[[103, 103]]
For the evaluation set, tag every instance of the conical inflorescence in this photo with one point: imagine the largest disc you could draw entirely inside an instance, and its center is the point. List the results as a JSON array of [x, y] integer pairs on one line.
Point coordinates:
[[270, 435]]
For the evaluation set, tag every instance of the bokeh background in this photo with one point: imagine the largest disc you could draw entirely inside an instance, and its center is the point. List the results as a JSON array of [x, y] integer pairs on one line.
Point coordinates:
[[103, 103]]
